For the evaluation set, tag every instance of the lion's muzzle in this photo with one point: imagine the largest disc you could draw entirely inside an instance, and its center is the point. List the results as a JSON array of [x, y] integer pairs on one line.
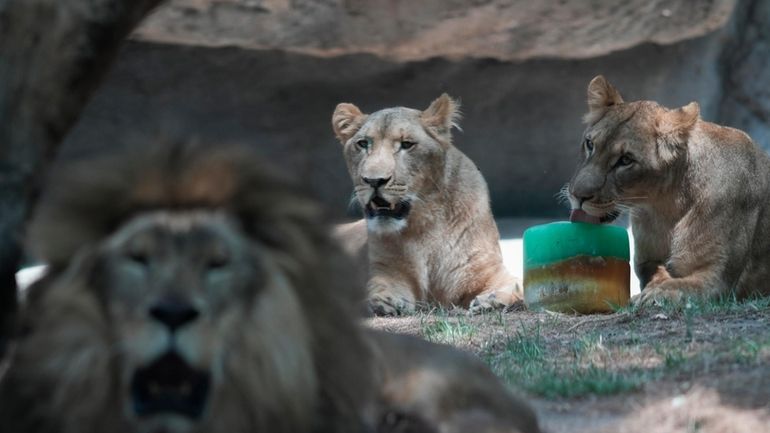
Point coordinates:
[[169, 384]]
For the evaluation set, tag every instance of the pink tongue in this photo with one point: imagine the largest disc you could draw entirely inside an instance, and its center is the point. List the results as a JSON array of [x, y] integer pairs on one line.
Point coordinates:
[[580, 216]]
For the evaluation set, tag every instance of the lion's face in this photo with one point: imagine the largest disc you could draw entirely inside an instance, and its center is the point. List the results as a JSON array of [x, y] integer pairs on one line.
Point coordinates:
[[190, 290], [190, 307], [170, 280], [395, 157], [628, 151]]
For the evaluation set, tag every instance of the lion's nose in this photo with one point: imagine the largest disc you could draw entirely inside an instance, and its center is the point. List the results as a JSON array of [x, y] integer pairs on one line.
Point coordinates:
[[174, 312], [376, 182], [581, 194], [584, 198]]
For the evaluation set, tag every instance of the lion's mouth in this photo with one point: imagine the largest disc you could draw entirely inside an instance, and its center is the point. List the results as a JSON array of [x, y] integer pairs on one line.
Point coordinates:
[[379, 207], [609, 216], [605, 211], [169, 384]]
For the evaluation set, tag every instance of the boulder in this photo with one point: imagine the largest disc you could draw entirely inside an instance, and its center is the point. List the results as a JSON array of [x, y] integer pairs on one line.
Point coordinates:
[[407, 30]]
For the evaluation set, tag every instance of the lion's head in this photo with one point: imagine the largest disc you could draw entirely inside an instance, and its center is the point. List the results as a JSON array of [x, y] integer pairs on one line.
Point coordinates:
[[629, 151], [190, 292], [396, 157]]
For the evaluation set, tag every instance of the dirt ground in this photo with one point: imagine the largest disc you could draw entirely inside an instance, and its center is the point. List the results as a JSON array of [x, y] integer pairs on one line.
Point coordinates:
[[703, 368]]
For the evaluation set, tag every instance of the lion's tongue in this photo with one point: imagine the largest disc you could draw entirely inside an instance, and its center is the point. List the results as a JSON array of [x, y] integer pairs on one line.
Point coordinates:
[[580, 216]]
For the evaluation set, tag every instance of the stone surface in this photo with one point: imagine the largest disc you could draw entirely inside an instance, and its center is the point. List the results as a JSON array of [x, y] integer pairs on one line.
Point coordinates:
[[522, 120], [417, 30], [746, 102], [522, 86]]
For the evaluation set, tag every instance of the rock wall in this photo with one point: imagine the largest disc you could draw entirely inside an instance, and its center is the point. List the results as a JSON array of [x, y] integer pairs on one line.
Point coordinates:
[[521, 111], [746, 72], [408, 30]]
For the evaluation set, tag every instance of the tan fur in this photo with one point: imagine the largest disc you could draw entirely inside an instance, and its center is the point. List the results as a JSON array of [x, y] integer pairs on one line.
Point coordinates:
[[445, 251], [451, 390], [698, 194], [277, 327]]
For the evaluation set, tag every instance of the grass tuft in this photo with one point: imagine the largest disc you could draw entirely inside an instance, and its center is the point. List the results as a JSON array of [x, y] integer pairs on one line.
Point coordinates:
[[447, 330], [525, 361]]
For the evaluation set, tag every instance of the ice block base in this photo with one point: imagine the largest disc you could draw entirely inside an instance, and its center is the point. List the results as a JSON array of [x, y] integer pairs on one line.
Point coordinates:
[[582, 284]]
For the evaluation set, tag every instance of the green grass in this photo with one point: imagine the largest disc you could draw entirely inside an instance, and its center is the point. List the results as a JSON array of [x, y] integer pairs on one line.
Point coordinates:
[[673, 357], [526, 362], [557, 357], [580, 381], [748, 351], [447, 330], [696, 307], [592, 365]]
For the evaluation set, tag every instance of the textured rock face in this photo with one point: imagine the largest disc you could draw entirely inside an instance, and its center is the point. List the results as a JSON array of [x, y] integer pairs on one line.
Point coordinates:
[[521, 124], [421, 29], [522, 87], [746, 103]]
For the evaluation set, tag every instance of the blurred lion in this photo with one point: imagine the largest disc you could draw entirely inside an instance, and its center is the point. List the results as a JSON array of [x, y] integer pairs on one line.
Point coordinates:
[[191, 291], [431, 234]]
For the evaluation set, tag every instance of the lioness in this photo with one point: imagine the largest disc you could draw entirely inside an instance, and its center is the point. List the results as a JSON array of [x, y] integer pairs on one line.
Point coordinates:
[[190, 291], [698, 195], [431, 235]]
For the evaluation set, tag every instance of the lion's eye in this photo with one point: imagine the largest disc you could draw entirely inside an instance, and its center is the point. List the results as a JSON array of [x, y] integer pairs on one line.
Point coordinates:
[[217, 262], [625, 160], [363, 143], [589, 145], [406, 144], [138, 255]]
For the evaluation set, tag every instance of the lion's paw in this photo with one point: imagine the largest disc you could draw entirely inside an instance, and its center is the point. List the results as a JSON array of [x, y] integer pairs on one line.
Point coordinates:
[[653, 296], [486, 302], [389, 304]]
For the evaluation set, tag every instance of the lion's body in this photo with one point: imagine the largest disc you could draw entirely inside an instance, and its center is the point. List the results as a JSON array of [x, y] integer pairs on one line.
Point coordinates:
[[699, 196], [425, 379], [444, 249], [199, 260]]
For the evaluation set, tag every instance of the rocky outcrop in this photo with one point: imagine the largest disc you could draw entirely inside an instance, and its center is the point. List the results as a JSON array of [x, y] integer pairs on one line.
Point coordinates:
[[408, 30], [746, 63], [206, 64]]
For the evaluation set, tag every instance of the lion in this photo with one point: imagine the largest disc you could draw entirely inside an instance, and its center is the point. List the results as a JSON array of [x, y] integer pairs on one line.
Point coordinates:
[[190, 290], [429, 230], [698, 195]]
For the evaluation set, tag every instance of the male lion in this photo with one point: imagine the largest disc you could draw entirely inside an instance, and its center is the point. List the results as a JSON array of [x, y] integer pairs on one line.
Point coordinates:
[[431, 235], [698, 194], [189, 291]]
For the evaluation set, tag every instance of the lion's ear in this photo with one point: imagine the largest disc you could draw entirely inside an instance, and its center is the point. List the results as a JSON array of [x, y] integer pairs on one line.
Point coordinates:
[[679, 121], [673, 128], [601, 96], [346, 121], [442, 115]]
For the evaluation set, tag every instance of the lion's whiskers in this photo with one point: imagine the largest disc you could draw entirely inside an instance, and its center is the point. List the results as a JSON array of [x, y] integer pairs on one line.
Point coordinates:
[[354, 204]]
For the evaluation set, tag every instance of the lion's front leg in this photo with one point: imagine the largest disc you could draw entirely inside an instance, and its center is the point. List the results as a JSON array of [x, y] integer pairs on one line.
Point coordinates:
[[387, 296], [647, 270], [700, 255], [652, 245]]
